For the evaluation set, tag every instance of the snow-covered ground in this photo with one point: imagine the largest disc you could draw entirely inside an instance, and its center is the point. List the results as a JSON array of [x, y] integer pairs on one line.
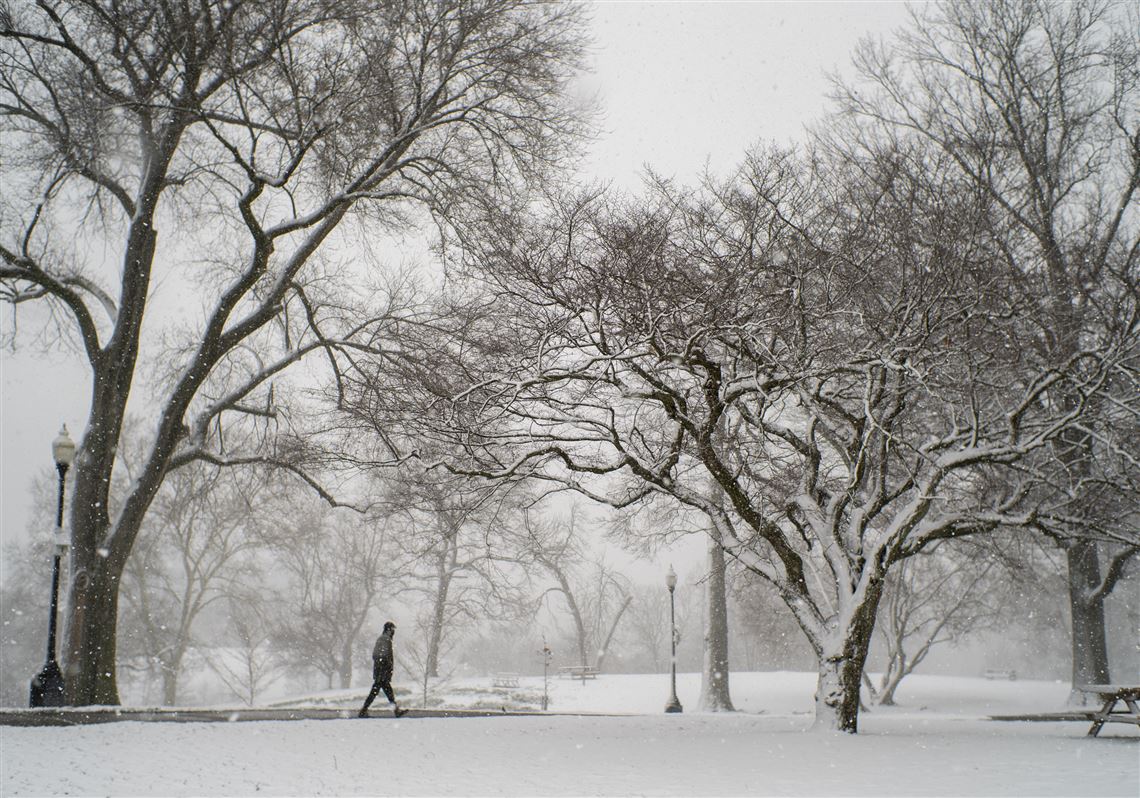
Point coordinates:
[[937, 742]]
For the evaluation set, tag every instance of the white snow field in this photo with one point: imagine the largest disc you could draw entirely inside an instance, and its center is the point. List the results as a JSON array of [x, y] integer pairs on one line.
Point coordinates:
[[937, 742]]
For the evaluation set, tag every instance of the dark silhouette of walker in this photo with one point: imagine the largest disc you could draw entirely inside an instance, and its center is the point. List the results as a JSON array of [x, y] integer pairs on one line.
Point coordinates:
[[383, 661]]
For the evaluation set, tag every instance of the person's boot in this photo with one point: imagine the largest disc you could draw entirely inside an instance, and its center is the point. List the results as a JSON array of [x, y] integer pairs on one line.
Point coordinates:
[[399, 712], [362, 713]]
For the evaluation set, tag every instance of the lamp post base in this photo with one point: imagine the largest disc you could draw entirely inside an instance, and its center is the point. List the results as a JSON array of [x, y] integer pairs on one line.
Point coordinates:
[[48, 687], [674, 705]]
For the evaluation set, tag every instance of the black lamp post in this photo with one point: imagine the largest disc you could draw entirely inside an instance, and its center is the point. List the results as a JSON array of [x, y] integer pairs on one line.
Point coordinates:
[[47, 685], [673, 705]]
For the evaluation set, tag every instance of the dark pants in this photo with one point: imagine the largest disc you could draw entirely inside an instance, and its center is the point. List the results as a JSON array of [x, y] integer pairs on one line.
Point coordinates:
[[381, 680]]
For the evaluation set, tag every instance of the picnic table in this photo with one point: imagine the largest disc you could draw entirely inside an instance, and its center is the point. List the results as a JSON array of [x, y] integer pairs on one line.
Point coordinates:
[[1113, 694]]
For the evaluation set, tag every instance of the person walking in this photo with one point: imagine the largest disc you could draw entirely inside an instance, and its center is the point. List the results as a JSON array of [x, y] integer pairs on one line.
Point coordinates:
[[383, 660]]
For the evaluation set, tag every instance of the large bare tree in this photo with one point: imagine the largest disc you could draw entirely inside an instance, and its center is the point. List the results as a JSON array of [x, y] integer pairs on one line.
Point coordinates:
[[206, 155], [833, 342], [1037, 105]]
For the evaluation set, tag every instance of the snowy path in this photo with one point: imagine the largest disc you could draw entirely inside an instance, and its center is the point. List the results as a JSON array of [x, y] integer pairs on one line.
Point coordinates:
[[936, 744], [680, 755]]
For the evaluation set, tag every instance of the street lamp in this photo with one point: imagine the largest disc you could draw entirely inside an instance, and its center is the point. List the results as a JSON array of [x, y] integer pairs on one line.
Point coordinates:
[[673, 705], [47, 685]]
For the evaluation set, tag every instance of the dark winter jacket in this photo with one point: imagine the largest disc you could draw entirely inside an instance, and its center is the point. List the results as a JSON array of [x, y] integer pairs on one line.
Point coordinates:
[[382, 651]]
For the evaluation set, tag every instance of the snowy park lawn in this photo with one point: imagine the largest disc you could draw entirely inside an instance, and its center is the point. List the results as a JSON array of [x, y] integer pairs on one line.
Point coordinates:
[[936, 742]]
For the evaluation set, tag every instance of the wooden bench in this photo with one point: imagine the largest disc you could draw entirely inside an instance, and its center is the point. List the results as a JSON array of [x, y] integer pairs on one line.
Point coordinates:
[[505, 680], [582, 672], [1111, 695]]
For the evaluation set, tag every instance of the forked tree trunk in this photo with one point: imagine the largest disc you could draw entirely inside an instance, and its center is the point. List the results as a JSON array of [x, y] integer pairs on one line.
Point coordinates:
[[890, 684], [575, 612], [715, 695]]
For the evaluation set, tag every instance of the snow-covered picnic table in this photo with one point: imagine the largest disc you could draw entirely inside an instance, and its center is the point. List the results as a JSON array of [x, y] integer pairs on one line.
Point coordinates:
[[1112, 695]]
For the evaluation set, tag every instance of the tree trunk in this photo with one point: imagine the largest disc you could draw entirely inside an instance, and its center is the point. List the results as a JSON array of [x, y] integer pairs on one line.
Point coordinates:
[[842, 658], [172, 665], [715, 695], [1086, 599], [613, 629], [897, 668], [575, 614], [346, 666], [439, 610], [170, 682], [99, 549], [435, 635], [580, 627], [1090, 651], [92, 606], [888, 688], [169, 686], [837, 690], [90, 667]]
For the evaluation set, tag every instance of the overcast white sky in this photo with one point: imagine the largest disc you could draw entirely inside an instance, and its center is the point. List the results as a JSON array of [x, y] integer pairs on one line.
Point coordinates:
[[682, 85]]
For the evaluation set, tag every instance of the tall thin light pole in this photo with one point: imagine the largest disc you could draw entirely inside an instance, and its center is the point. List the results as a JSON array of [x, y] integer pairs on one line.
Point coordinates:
[[47, 688], [547, 655], [673, 705]]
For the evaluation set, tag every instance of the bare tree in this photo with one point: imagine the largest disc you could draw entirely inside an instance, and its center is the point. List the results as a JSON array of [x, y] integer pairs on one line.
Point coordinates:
[[249, 665], [201, 526], [1037, 106], [336, 563], [715, 670], [648, 625], [607, 601], [596, 596], [846, 325], [935, 598], [766, 633], [218, 148], [454, 553]]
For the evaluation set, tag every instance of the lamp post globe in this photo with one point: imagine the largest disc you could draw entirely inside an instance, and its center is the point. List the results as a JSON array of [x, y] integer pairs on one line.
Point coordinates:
[[47, 688], [63, 449], [673, 704]]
